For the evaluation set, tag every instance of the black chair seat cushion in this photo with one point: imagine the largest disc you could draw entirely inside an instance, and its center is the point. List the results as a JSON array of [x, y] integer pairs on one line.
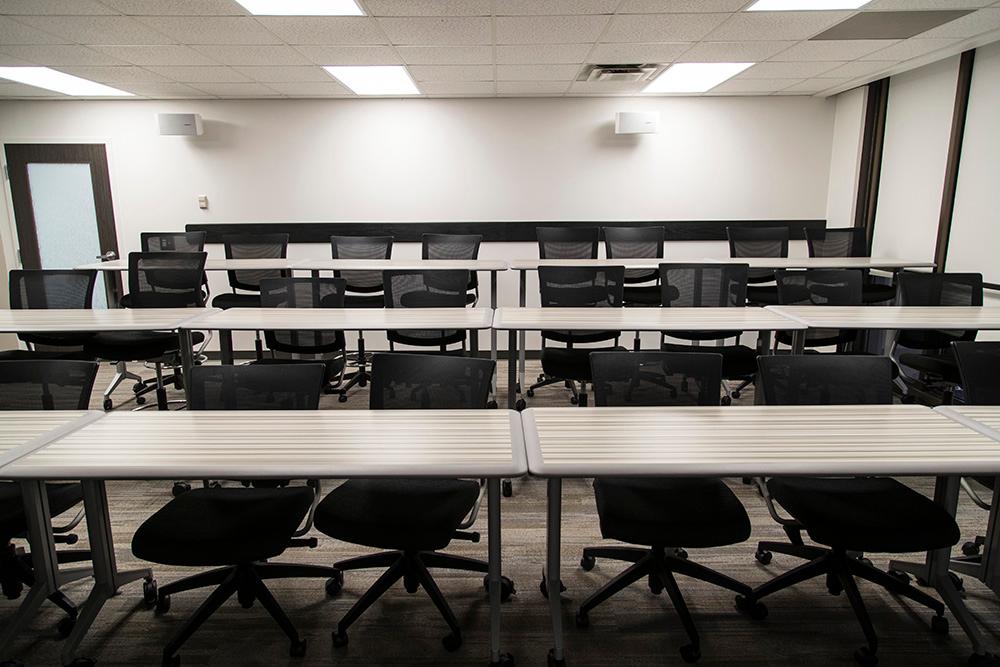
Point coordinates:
[[227, 301], [763, 294], [738, 361], [571, 363], [12, 520], [135, 345], [675, 512], [68, 339], [433, 338], [943, 366], [576, 337], [18, 355], [403, 514], [216, 527], [646, 295], [334, 366], [876, 293], [875, 514], [364, 301]]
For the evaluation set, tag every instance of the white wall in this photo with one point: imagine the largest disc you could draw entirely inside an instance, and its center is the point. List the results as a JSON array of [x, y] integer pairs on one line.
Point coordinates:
[[845, 158]]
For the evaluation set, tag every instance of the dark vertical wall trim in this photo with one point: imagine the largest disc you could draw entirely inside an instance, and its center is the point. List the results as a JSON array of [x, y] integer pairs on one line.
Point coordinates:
[[870, 171], [954, 156]]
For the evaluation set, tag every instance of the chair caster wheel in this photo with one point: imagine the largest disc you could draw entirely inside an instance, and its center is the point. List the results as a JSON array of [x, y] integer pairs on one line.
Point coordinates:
[[507, 488], [552, 662], [171, 661], [970, 549], [506, 587], [543, 586], [297, 649], [65, 626], [690, 653], [725, 400], [410, 584], [865, 657], [654, 584], [833, 585], [582, 620], [90, 662], [573, 400], [900, 576], [506, 660], [492, 405], [452, 642], [922, 582], [587, 563], [983, 660], [736, 395], [108, 405], [342, 398], [140, 400], [763, 557], [680, 553], [520, 405], [149, 594], [866, 561], [180, 488], [939, 624], [362, 382], [957, 582], [335, 584], [755, 609], [162, 604], [530, 393], [339, 639]]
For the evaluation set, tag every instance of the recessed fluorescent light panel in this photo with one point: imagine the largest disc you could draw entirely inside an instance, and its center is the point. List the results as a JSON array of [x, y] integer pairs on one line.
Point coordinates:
[[375, 79], [804, 5], [302, 7], [67, 84], [694, 77]]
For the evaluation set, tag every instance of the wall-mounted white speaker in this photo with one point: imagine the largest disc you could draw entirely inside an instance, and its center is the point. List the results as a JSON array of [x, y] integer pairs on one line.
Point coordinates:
[[182, 124], [637, 122]]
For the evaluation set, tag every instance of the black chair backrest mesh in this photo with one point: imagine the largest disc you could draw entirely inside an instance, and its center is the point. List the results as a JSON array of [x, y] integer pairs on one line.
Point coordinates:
[[166, 279], [48, 288], [254, 246], [632, 243], [452, 246], [303, 293], [568, 242], [46, 384], [979, 364], [825, 379], [361, 247], [428, 288], [581, 286], [429, 382], [821, 287], [684, 285], [656, 378], [838, 242], [172, 241], [256, 387], [938, 289], [758, 242]]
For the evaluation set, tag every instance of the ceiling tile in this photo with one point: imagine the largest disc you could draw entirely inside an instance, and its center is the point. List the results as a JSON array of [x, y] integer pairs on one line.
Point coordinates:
[[97, 29], [612, 54], [457, 88], [537, 72], [782, 70], [114, 75], [39, 7], [970, 25], [740, 85], [814, 85], [350, 55], [12, 32], [733, 52], [606, 88], [162, 54], [11, 61], [775, 25], [339, 30], [428, 7], [164, 90], [890, 25], [177, 7], [549, 29], [858, 68], [663, 27], [679, 6], [11, 89], [210, 29], [451, 72], [446, 55], [521, 54], [531, 87], [284, 74], [917, 5], [910, 48], [554, 7], [258, 54], [833, 49], [61, 54], [437, 31], [239, 89], [217, 74], [312, 89]]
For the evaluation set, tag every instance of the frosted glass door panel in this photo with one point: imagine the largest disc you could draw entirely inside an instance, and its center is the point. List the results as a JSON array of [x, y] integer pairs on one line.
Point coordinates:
[[62, 199]]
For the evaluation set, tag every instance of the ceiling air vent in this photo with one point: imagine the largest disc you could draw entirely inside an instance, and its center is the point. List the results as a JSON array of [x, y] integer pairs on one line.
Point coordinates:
[[619, 73]]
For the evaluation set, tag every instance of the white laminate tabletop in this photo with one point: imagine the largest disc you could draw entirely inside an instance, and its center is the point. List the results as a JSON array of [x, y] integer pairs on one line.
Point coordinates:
[[284, 443], [110, 319], [23, 431], [401, 264], [755, 440], [893, 317], [628, 263], [265, 263], [824, 262], [642, 319], [982, 418], [353, 319]]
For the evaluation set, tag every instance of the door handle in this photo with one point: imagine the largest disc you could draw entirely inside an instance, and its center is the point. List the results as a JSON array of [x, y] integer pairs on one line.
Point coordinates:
[[108, 256]]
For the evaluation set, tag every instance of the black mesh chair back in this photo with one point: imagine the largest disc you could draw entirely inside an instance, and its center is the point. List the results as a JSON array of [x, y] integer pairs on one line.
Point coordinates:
[[825, 379], [428, 288], [166, 279], [979, 364], [821, 287], [48, 288], [452, 246], [758, 242], [684, 285], [429, 382], [256, 387], [46, 384], [254, 246], [172, 241], [567, 242], [632, 243], [303, 293], [938, 289], [656, 378], [838, 242], [361, 247]]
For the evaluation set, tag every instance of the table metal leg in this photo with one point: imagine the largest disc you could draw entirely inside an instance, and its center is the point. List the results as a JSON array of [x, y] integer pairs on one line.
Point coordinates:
[[798, 341], [511, 369], [990, 567], [187, 361], [226, 346], [553, 581], [493, 332], [493, 536], [521, 300]]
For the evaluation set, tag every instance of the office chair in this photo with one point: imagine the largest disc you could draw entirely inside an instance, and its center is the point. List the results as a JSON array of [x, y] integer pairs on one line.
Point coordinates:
[[455, 246], [820, 287], [759, 242], [429, 288], [847, 515], [236, 530], [937, 370], [576, 286], [250, 246], [41, 383], [327, 347], [849, 242], [631, 243], [364, 290], [49, 288], [413, 518], [155, 280], [663, 514], [568, 242]]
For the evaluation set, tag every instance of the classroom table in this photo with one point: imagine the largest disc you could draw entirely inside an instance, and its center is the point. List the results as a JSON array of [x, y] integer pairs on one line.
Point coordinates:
[[863, 263], [330, 444], [518, 320], [752, 441]]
